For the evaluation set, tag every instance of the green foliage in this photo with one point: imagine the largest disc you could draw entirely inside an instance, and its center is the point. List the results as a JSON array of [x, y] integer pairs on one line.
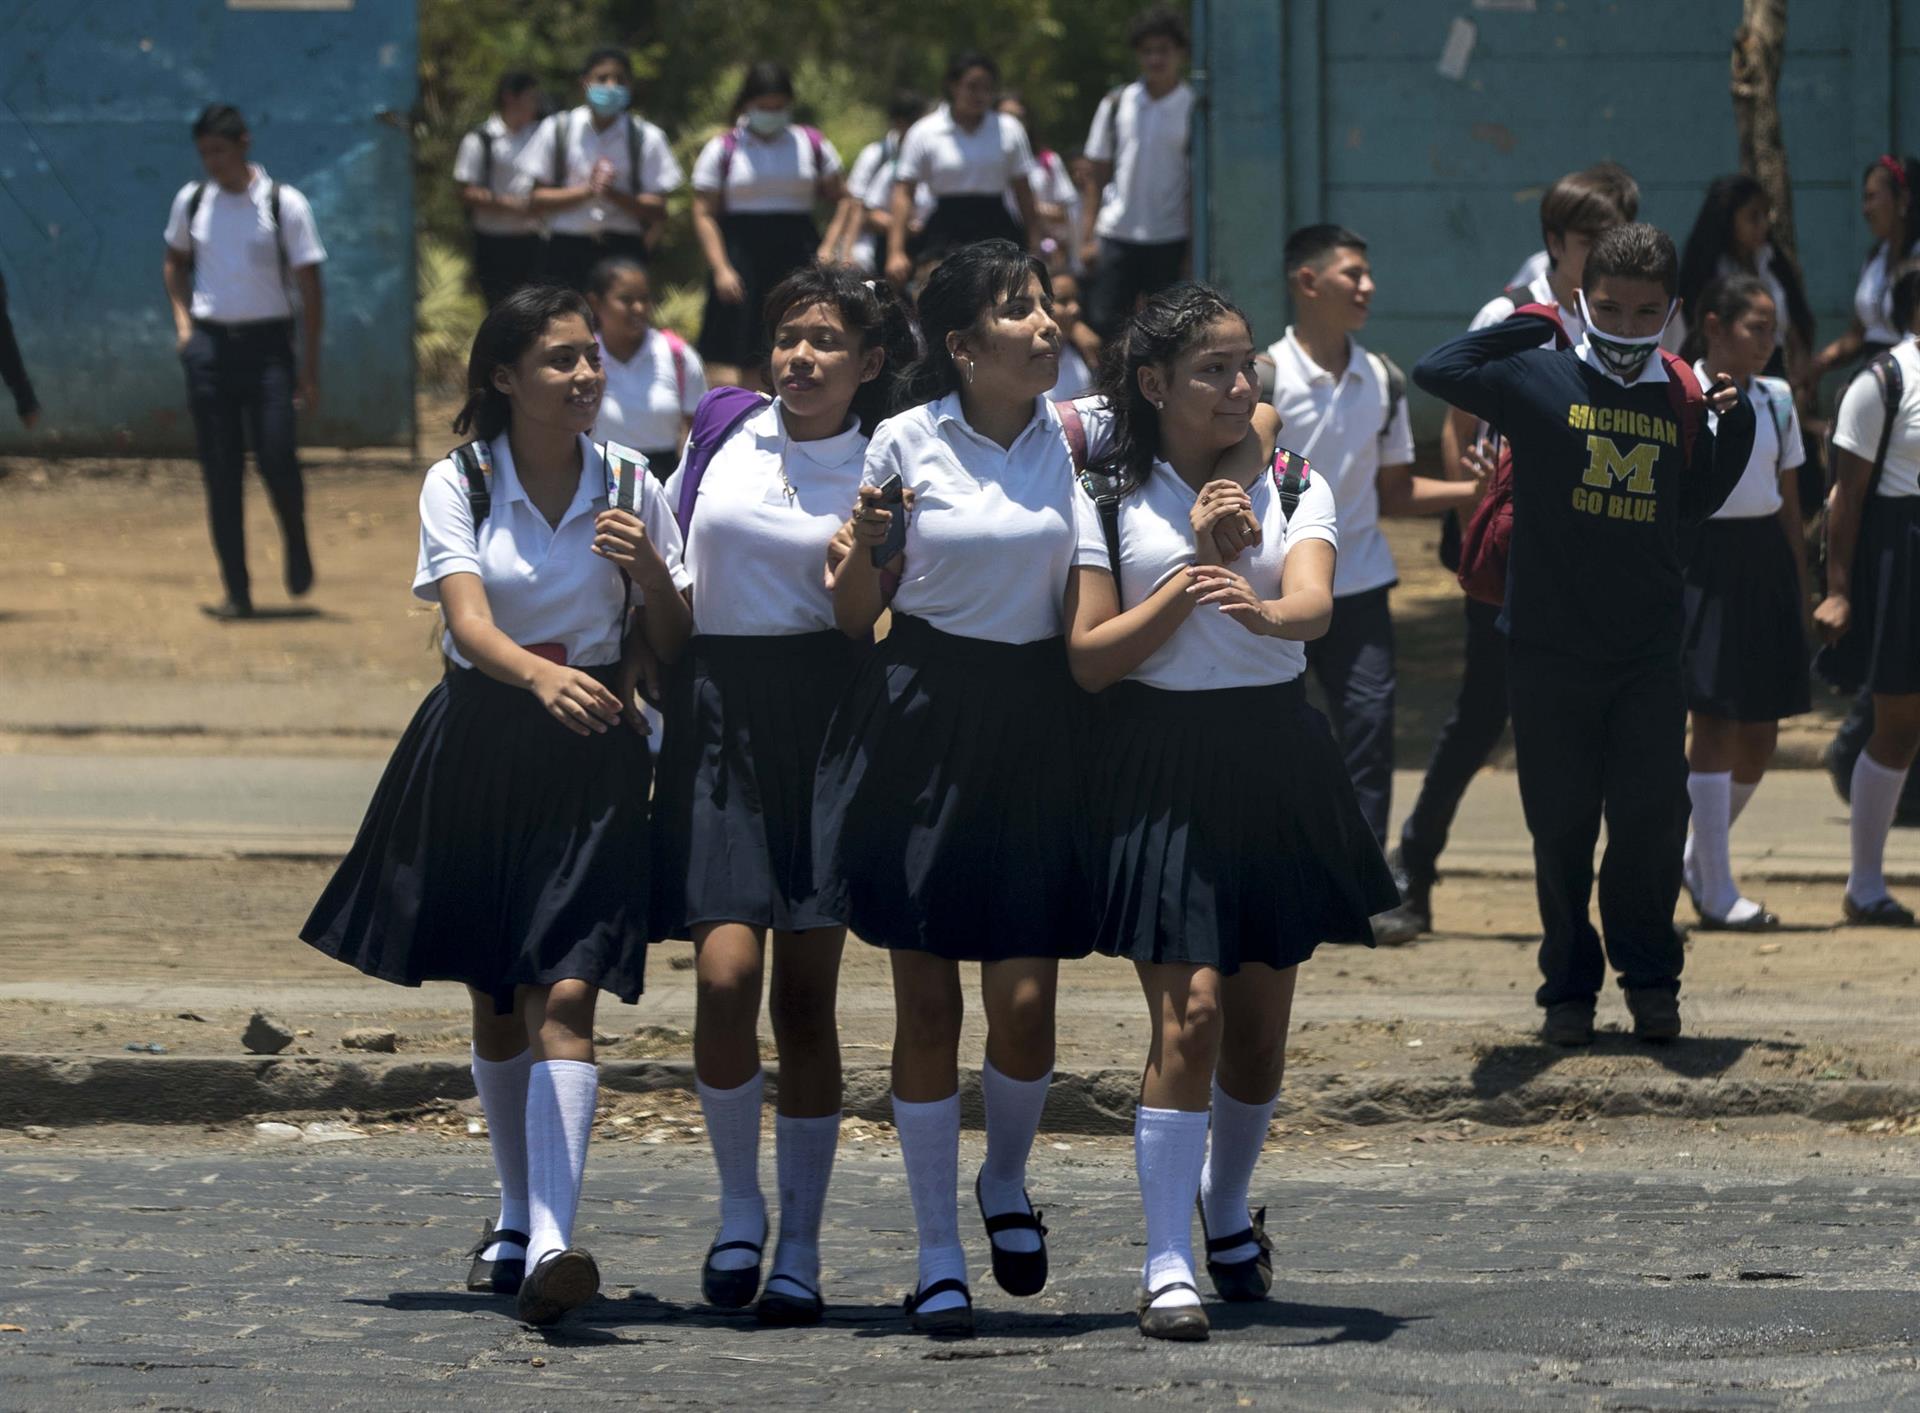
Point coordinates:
[[447, 315]]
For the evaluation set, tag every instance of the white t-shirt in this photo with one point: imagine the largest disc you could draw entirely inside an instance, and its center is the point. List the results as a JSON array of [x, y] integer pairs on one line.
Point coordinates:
[[585, 146], [991, 536], [1341, 427], [645, 402], [544, 583], [1500, 308], [767, 175], [1862, 415], [236, 255], [955, 162], [1147, 202], [1076, 379], [1873, 297], [1757, 493], [1211, 649], [470, 169], [758, 553]]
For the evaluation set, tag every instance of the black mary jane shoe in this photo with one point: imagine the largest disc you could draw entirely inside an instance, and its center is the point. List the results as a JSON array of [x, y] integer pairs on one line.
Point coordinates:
[[562, 1282], [1762, 921], [781, 1306], [497, 1277], [1016, 1272], [1250, 1279], [1177, 1322], [735, 1289], [1883, 913], [955, 1322]]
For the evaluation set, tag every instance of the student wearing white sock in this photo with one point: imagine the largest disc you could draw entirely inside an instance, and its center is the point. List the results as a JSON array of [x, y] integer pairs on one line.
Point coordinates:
[[1744, 653], [506, 846], [1870, 618], [1229, 840], [746, 714], [948, 811]]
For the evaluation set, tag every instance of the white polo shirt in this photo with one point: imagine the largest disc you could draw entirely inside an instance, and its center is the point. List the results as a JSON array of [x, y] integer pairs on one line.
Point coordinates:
[[763, 516], [1500, 308], [1076, 379], [955, 162], [1211, 649], [1862, 415], [991, 537], [644, 402], [585, 146], [1777, 447], [1148, 201], [1341, 426], [470, 169], [236, 255], [544, 583], [768, 175], [1873, 296]]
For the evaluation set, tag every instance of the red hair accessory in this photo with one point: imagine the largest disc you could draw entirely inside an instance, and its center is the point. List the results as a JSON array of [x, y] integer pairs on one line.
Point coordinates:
[[1894, 165]]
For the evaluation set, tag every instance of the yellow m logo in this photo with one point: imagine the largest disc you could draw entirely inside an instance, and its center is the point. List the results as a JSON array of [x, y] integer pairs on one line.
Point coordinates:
[[1605, 465]]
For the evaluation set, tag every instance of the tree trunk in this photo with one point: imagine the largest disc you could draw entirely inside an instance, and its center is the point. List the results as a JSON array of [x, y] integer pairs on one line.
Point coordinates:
[[1758, 46]]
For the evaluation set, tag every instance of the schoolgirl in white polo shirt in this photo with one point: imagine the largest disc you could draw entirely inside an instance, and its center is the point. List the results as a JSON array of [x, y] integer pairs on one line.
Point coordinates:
[[506, 845], [747, 711], [1228, 841], [508, 239], [948, 811], [654, 379]]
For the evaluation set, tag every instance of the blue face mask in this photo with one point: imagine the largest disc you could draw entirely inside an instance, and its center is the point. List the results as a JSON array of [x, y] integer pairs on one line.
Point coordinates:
[[608, 99], [767, 122]]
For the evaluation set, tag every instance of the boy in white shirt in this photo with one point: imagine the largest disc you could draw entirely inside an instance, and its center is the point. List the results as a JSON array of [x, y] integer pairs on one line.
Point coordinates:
[[239, 247]]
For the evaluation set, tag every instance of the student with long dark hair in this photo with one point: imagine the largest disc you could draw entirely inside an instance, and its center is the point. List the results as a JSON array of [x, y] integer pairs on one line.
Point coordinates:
[[1887, 204], [755, 188], [948, 815], [971, 157], [1732, 235], [506, 845], [1744, 652], [1225, 857], [746, 716]]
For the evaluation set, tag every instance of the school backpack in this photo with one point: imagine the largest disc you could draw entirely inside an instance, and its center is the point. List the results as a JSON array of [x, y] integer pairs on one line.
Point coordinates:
[[1108, 116], [1487, 541], [720, 412], [485, 139], [1291, 477], [1886, 373], [473, 464], [199, 194], [730, 144], [677, 347], [560, 140]]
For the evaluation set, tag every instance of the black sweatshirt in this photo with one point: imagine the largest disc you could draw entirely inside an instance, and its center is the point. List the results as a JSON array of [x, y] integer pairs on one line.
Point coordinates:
[[12, 371], [1601, 488]]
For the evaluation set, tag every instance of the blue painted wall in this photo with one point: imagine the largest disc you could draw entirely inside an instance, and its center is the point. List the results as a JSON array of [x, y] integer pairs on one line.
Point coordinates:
[[1333, 110], [96, 98]]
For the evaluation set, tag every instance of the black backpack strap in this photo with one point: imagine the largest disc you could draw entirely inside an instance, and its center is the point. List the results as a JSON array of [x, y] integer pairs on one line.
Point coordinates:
[[1893, 388], [486, 156], [1396, 389], [1292, 474], [279, 236], [560, 146], [194, 198], [633, 151], [1105, 491], [474, 462]]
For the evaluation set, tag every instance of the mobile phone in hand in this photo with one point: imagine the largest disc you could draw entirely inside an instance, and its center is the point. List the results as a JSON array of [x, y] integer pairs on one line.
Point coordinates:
[[892, 497]]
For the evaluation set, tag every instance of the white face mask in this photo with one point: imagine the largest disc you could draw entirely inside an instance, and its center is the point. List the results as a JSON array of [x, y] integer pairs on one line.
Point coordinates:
[[1622, 356], [768, 121]]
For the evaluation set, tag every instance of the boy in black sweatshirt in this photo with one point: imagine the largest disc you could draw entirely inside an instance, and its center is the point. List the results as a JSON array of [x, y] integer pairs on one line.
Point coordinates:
[[1602, 485]]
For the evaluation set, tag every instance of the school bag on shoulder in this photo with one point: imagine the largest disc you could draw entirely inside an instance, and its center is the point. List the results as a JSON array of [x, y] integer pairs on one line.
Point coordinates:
[[730, 144], [199, 194], [1487, 540], [1290, 471], [560, 129], [1887, 375], [677, 346], [1395, 382], [481, 136], [720, 412]]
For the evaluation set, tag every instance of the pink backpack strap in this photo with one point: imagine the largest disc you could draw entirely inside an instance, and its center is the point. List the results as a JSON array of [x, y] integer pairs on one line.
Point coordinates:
[[1075, 428], [677, 346], [818, 144], [1689, 400]]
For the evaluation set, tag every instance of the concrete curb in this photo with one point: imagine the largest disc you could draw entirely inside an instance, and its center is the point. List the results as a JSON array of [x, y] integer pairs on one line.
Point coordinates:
[[66, 1091]]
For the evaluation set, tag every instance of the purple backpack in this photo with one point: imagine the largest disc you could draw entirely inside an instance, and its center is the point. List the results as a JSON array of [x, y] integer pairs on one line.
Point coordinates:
[[714, 420]]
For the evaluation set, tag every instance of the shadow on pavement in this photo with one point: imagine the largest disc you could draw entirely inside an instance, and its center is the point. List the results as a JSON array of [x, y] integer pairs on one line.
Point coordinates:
[[1350, 1324], [1506, 1067]]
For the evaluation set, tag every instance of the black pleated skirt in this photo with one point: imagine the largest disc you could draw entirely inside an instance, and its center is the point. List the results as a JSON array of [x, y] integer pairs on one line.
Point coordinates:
[[961, 220], [1881, 650], [500, 850], [1226, 830], [1744, 656], [763, 250], [949, 806], [733, 805]]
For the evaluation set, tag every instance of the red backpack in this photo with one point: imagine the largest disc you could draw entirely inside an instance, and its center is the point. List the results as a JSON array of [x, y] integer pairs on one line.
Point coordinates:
[[1487, 541]]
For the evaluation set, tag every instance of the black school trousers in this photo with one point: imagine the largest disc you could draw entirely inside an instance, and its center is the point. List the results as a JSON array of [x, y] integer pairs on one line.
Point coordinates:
[[1596, 739], [503, 263], [1465, 742], [240, 380], [1353, 661], [1128, 272]]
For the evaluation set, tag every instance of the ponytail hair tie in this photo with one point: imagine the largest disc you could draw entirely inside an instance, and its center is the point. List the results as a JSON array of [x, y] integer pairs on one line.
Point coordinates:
[[1897, 168]]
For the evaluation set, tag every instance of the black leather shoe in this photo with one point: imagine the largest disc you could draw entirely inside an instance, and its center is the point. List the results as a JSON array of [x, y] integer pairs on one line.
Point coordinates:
[[228, 610], [1015, 1272], [299, 568], [563, 1281], [1762, 921], [731, 1290], [1568, 1023], [956, 1322], [1656, 1014], [1181, 1322], [789, 1304], [1885, 913], [1250, 1279], [501, 1277]]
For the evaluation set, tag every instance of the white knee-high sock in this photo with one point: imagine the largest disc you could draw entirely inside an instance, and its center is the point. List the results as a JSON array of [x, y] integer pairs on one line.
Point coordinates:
[[1013, 1110], [733, 1126], [1239, 1132], [1712, 871], [803, 1157], [560, 1099], [930, 1147], [503, 1099], [1169, 1150], [1876, 799]]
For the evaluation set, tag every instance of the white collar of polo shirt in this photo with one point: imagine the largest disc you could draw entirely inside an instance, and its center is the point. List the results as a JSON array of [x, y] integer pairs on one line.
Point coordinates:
[[949, 409], [507, 487], [1311, 371]]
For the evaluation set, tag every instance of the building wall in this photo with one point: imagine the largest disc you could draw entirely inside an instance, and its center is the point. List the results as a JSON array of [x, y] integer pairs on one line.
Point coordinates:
[[1334, 110], [96, 99]]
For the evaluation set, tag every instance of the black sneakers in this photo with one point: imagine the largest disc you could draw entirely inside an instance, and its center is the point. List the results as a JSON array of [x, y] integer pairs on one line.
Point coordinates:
[[1568, 1023], [1656, 1014]]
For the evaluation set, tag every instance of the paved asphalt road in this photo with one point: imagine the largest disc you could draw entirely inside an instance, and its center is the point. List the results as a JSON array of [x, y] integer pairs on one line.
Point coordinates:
[[188, 1275]]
